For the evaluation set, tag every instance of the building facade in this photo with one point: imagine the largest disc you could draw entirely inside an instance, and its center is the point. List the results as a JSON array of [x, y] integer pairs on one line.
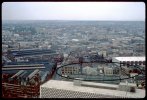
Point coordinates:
[[71, 69]]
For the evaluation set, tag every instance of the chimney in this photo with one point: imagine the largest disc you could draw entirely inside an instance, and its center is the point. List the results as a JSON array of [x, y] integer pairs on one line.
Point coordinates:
[[78, 81]]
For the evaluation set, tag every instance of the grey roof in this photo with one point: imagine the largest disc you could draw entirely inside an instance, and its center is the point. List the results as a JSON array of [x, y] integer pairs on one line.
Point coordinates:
[[64, 89]]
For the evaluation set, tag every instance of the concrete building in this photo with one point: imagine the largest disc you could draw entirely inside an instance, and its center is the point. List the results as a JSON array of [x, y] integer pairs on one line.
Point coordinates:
[[71, 69], [81, 89], [130, 60], [108, 71], [89, 71]]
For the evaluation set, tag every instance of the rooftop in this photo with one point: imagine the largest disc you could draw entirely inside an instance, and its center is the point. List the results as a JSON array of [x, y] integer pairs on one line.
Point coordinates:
[[130, 58], [31, 52], [65, 85]]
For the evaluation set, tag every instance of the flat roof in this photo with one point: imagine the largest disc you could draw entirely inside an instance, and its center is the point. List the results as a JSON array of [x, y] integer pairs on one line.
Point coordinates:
[[130, 58], [22, 68], [30, 65], [65, 85], [32, 52], [30, 62]]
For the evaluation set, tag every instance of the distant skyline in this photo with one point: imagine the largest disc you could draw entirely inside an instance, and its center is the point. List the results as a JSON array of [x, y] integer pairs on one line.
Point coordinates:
[[115, 11]]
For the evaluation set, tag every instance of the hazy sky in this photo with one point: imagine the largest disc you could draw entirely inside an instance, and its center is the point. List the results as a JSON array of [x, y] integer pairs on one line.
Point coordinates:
[[73, 11]]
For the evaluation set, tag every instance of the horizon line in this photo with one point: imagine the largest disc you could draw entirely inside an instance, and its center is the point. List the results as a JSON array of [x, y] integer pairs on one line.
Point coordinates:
[[63, 20]]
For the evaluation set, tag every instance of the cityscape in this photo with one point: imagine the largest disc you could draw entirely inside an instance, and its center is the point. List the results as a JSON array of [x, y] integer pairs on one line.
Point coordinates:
[[73, 59]]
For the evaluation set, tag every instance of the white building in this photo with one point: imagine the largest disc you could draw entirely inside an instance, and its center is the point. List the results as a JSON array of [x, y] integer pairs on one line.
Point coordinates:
[[26, 44], [81, 89], [89, 71], [130, 60], [4, 47], [125, 61], [108, 71]]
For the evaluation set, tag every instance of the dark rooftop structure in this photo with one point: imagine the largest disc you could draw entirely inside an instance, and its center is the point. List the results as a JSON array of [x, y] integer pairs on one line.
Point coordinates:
[[19, 53]]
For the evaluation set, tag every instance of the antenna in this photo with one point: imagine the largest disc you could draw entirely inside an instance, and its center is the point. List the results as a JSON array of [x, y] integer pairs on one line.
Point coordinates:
[[19, 47]]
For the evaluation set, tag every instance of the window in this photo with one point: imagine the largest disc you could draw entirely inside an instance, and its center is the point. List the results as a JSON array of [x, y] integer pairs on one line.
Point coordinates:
[[128, 63], [140, 62], [132, 62], [143, 62], [124, 63], [136, 62]]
